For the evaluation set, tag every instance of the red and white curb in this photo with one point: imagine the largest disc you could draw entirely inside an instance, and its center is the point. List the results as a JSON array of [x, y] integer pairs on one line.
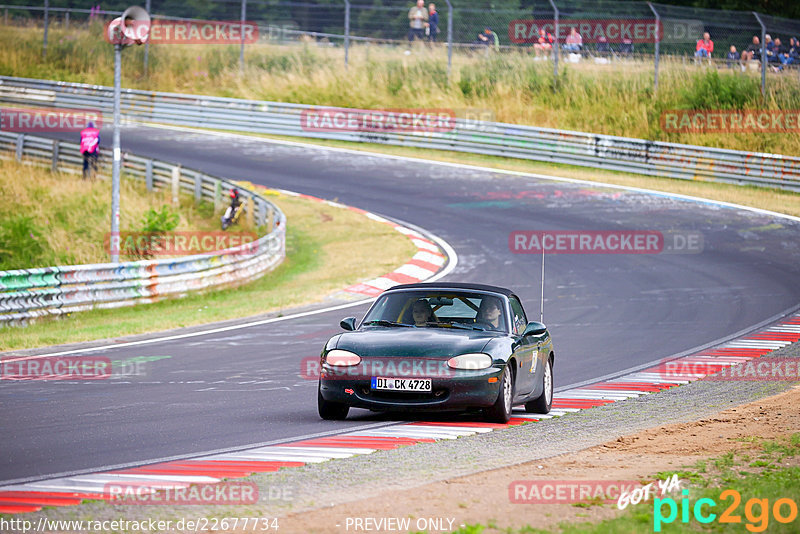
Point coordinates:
[[683, 370], [212, 469], [428, 260]]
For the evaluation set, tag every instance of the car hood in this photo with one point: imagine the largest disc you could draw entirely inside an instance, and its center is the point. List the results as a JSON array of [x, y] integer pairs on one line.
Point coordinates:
[[414, 342]]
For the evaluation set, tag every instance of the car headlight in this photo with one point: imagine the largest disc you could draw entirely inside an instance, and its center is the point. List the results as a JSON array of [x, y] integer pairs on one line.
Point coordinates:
[[473, 361], [342, 358]]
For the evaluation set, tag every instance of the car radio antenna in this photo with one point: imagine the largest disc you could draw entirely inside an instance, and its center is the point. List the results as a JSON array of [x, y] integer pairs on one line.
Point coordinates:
[[541, 309]]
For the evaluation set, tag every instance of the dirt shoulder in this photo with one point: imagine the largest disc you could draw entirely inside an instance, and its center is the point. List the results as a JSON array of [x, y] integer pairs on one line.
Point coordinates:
[[483, 497]]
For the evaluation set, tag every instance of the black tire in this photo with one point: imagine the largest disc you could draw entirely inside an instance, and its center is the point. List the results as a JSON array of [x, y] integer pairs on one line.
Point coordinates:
[[544, 402], [331, 411], [500, 412]]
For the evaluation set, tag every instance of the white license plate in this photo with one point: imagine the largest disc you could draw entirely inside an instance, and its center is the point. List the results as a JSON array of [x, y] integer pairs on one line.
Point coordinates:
[[401, 384]]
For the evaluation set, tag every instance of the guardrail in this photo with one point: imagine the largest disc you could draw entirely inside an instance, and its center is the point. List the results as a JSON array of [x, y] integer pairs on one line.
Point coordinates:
[[29, 293], [478, 137]]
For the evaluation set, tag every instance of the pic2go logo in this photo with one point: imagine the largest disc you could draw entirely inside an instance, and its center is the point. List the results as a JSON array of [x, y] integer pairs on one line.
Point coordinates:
[[756, 511]]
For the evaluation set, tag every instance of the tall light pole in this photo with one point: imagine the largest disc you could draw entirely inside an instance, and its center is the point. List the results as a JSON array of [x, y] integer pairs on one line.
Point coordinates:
[[132, 27], [241, 30], [115, 164], [147, 43]]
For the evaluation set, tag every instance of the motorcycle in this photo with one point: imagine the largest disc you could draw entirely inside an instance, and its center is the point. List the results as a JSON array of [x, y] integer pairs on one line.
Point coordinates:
[[231, 216]]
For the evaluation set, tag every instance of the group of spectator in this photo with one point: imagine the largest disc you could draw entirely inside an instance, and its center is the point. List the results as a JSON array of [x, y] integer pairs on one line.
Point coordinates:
[[777, 54], [423, 24]]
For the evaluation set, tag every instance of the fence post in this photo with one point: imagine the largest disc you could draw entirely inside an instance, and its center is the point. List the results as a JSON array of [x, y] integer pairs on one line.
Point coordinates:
[[555, 47], [46, 24], [148, 175], [262, 212], [658, 42], [250, 211], [5, 16], [176, 184], [147, 43], [346, 32], [449, 38], [763, 55], [271, 222], [217, 196], [20, 145], [241, 30], [56, 147], [198, 187]]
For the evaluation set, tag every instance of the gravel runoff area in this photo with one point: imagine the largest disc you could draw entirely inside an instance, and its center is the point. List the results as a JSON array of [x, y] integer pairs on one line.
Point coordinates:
[[336, 482]]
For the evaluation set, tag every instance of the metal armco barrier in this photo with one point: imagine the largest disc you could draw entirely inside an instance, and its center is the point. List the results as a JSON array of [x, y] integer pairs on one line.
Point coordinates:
[[478, 137], [29, 293]]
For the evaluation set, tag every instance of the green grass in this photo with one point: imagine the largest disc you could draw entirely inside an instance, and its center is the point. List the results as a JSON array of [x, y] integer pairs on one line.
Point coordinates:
[[59, 219], [327, 249], [615, 99]]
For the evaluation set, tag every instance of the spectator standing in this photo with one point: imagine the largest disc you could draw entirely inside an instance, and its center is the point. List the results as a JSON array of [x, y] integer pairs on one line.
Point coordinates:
[[417, 21], [433, 22], [90, 147], [705, 47], [733, 57], [574, 42]]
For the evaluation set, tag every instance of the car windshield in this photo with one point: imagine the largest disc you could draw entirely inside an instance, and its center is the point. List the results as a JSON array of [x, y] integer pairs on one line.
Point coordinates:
[[438, 309]]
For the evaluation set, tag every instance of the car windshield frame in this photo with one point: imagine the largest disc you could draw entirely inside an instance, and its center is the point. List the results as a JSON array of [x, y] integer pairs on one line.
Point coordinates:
[[371, 316]]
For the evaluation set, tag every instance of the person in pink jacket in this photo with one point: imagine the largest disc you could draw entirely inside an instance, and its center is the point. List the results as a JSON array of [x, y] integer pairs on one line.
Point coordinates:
[[90, 146]]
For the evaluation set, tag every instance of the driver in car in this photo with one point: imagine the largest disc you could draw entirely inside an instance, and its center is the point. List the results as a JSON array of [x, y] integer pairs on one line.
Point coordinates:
[[422, 313], [490, 313]]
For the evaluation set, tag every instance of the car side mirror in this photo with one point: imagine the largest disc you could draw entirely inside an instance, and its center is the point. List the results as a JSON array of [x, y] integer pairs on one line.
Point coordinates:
[[534, 328], [348, 323]]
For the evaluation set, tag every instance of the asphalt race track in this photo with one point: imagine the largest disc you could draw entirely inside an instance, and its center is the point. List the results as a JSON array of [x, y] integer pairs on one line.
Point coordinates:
[[607, 312]]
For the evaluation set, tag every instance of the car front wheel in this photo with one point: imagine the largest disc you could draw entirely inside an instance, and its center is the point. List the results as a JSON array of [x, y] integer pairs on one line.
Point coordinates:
[[544, 402], [332, 411], [500, 412]]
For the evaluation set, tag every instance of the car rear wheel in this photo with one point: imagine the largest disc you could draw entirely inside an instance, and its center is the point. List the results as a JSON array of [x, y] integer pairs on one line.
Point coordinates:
[[332, 411], [544, 402], [500, 412]]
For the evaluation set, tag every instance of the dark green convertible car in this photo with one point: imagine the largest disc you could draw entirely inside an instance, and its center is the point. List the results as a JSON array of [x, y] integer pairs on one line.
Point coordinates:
[[439, 347]]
